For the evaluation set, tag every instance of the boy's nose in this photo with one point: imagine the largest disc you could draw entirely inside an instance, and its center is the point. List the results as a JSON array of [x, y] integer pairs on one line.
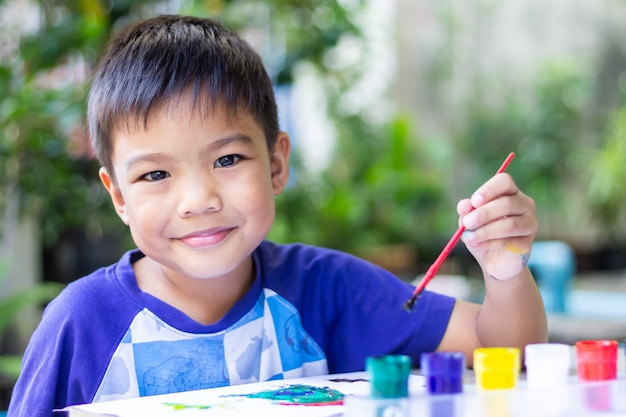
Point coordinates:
[[198, 196]]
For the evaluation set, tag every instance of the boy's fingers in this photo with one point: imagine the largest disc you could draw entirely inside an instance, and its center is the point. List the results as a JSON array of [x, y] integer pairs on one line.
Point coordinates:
[[463, 207], [511, 206], [518, 228], [498, 185]]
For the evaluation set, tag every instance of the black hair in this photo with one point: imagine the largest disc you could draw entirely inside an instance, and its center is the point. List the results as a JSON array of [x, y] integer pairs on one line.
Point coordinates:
[[155, 61]]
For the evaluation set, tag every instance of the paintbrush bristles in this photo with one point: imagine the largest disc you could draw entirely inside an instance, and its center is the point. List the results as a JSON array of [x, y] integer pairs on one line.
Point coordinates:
[[408, 305]]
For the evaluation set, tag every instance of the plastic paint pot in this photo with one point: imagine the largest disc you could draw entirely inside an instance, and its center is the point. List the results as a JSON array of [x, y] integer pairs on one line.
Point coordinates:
[[443, 372], [389, 375], [596, 359], [547, 364], [496, 367]]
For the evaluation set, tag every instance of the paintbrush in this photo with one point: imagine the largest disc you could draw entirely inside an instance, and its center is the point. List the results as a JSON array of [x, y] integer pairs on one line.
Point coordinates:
[[432, 271]]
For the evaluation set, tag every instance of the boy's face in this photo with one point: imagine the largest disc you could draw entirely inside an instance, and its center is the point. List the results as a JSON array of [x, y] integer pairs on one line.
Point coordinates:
[[197, 191]]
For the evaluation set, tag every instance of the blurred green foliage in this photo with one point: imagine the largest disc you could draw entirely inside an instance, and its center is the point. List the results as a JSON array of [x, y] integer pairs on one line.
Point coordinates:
[[45, 159], [571, 156], [543, 125], [382, 185], [11, 307], [607, 179], [378, 189]]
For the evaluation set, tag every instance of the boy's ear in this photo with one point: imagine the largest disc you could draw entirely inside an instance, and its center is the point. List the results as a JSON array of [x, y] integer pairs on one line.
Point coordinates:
[[115, 193], [279, 162]]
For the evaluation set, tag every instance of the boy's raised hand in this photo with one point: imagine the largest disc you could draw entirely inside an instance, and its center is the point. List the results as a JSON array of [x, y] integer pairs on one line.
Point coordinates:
[[500, 230]]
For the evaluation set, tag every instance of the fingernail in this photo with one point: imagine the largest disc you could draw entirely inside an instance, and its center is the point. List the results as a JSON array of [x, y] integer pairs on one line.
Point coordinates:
[[477, 200], [469, 236], [470, 221]]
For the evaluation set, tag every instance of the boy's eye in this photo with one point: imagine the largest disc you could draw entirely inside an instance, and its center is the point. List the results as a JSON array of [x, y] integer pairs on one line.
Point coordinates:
[[155, 176], [227, 160]]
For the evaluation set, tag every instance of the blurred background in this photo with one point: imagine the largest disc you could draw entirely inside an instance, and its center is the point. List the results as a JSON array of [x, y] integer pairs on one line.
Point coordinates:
[[397, 109]]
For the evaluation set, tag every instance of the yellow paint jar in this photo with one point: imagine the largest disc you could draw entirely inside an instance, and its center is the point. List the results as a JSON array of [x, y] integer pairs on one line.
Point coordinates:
[[496, 367]]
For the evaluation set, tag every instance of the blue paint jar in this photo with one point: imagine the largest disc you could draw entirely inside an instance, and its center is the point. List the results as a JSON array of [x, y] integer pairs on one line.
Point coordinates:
[[443, 372]]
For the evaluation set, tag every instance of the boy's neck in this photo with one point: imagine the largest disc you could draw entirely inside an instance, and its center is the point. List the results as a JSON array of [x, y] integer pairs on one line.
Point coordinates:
[[206, 301]]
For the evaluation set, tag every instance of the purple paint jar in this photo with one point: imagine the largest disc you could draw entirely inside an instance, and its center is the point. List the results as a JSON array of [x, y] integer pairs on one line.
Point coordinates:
[[443, 372]]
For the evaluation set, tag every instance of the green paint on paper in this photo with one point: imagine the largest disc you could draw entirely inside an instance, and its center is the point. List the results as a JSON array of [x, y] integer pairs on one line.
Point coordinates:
[[177, 406], [300, 394], [181, 406]]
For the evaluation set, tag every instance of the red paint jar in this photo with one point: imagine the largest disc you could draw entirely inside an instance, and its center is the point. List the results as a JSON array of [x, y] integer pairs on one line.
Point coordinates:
[[596, 359]]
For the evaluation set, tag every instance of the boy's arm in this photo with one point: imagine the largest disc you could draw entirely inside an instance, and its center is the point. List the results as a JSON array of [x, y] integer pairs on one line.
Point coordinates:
[[511, 315], [35, 392], [499, 234]]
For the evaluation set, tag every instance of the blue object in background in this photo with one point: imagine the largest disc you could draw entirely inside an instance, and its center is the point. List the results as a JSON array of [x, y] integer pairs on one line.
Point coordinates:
[[553, 266]]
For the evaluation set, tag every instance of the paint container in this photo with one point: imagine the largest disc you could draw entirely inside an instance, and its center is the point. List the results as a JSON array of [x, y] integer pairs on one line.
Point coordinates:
[[389, 377], [444, 375], [547, 377], [496, 371], [547, 365], [596, 360], [496, 368], [443, 372]]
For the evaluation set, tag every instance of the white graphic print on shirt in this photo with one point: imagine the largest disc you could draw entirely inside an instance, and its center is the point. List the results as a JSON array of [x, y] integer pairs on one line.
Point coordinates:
[[267, 343]]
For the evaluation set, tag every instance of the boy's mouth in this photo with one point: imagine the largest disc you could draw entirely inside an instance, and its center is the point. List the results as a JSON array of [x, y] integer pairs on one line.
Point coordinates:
[[209, 237]]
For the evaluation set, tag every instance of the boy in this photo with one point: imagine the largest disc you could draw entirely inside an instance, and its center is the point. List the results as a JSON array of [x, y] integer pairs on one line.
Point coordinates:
[[183, 120]]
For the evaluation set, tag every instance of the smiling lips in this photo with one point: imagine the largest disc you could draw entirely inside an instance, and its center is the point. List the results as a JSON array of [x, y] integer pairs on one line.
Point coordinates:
[[208, 237]]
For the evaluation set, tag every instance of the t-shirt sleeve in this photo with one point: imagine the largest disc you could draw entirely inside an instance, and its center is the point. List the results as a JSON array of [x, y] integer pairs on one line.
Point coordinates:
[[375, 322], [69, 351], [43, 382], [355, 309], [360, 313]]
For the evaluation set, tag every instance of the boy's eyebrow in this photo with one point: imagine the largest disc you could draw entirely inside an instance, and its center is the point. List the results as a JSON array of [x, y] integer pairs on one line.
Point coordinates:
[[153, 157], [212, 147], [237, 137]]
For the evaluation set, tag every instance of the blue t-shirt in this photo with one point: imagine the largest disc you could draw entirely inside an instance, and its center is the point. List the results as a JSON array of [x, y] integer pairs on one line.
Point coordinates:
[[310, 311]]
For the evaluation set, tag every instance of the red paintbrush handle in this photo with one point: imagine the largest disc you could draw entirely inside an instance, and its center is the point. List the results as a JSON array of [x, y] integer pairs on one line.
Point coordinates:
[[432, 271]]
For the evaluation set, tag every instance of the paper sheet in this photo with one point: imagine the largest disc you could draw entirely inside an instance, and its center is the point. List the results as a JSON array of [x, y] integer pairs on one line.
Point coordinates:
[[232, 400]]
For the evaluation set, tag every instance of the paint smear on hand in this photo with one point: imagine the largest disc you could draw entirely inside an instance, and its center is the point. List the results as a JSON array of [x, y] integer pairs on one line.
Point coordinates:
[[510, 247]]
